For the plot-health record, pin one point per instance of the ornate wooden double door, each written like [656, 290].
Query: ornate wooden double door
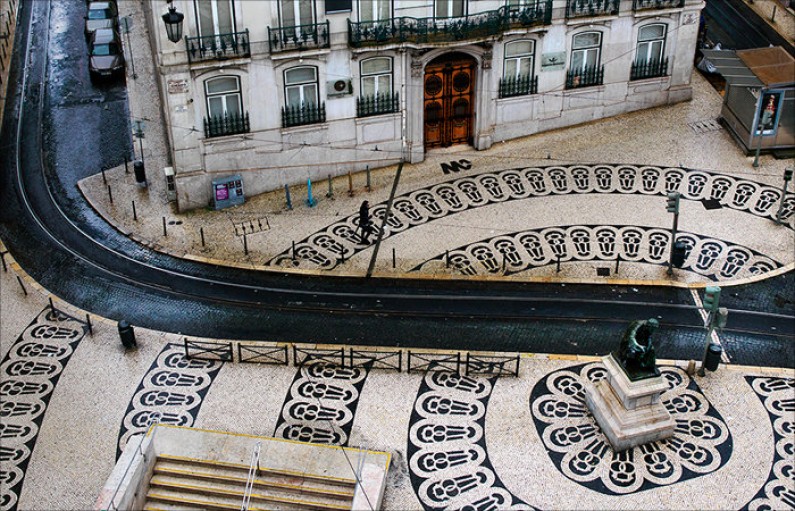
[447, 108]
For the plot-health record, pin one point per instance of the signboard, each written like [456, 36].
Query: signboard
[177, 86]
[552, 61]
[768, 112]
[228, 191]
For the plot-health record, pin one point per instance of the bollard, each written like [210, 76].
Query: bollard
[201, 232]
[558, 268]
[52, 306]
[350, 184]
[90, 326]
[330, 192]
[22, 286]
[446, 258]
[367, 169]
[293, 251]
[393, 257]
[164, 227]
[126, 334]
[618, 260]
[135, 214]
[310, 201]
[287, 194]
[773, 17]
[3, 260]
[110, 194]
[245, 244]
[126, 161]
[104, 179]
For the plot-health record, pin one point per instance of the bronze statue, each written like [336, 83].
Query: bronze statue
[635, 353]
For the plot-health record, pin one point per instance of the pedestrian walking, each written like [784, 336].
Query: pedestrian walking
[365, 223]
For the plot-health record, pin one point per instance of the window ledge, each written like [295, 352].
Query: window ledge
[590, 20]
[522, 96]
[219, 63]
[651, 13]
[305, 128]
[305, 54]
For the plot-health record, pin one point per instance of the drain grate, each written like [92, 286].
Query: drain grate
[603, 272]
[711, 204]
[705, 126]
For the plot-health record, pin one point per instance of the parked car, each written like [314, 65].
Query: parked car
[105, 52]
[100, 15]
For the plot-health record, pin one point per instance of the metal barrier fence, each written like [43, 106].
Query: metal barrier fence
[491, 365]
[466, 363]
[303, 356]
[380, 359]
[255, 353]
[202, 350]
[434, 362]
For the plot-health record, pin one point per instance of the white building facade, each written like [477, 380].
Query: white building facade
[281, 91]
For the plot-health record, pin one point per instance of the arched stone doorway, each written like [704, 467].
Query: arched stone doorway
[448, 100]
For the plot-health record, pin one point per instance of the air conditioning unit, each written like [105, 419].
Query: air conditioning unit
[342, 87]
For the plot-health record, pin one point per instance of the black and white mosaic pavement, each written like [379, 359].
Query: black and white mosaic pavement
[448, 462]
[521, 251]
[326, 248]
[29, 374]
[173, 389]
[778, 396]
[321, 404]
[702, 442]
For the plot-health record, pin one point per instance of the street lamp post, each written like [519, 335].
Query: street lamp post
[787, 179]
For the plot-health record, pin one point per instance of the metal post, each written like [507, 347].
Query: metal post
[52, 306]
[618, 260]
[104, 179]
[393, 257]
[110, 194]
[141, 145]
[787, 173]
[245, 243]
[201, 232]
[367, 169]
[446, 258]
[3, 260]
[287, 195]
[126, 161]
[135, 214]
[330, 192]
[310, 201]
[293, 250]
[22, 286]
[773, 16]
[90, 326]
[673, 241]
[707, 341]
[756, 127]
[350, 184]
[557, 269]
[164, 227]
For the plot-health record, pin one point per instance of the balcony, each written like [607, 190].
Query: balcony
[444, 30]
[640, 5]
[306, 113]
[590, 8]
[518, 86]
[299, 37]
[218, 47]
[585, 77]
[228, 124]
[649, 69]
[377, 105]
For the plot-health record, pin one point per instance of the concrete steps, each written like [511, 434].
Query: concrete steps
[190, 484]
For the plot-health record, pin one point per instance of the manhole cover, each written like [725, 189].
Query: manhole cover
[705, 126]
[603, 272]
[711, 204]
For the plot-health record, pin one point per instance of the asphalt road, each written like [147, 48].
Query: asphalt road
[66, 132]
[737, 27]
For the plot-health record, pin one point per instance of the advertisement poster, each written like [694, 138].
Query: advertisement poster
[768, 112]
[221, 192]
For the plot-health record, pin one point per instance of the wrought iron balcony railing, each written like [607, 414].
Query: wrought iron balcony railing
[299, 37]
[443, 30]
[585, 77]
[518, 86]
[377, 104]
[587, 8]
[218, 47]
[639, 5]
[306, 113]
[649, 69]
[227, 124]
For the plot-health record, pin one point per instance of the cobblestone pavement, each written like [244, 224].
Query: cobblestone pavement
[72, 396]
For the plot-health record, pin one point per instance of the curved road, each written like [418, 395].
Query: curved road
[76, 255]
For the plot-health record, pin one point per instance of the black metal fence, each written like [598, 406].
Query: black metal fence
[518, 86]
[204, 350]
[391, 360]
[433, 362]
[300, 115]
[303, 356]
[585, 77]
[299, 37]
[377, 104]
[650, 69]
[260, 354]
[657, 4]
[491, 365]
[227, 124]
[218, 46]
[587, 8]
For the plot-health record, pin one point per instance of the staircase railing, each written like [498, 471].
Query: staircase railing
[153, 422]
[252, 472]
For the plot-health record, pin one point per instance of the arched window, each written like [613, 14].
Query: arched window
[518, 70]
[586, 51]
[376, 96]
[650, 58]
[300, 86]
[223, 96]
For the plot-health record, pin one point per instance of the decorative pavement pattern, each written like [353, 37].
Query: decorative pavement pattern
[701, 444]
[778, 396]
[517, 252]
[321, 403]
[29, 373]
[172, 390]
[449, 466]
[325, 248]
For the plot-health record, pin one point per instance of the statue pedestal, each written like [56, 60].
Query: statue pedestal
[629, 412]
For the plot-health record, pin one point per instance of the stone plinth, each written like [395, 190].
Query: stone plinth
[629, 412]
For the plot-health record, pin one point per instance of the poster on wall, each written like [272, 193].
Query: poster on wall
[768, 111]
[228, 191]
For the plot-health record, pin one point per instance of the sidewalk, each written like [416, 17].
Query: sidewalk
[583, 196]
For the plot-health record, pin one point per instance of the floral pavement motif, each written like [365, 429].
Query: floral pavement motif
[701, 443]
